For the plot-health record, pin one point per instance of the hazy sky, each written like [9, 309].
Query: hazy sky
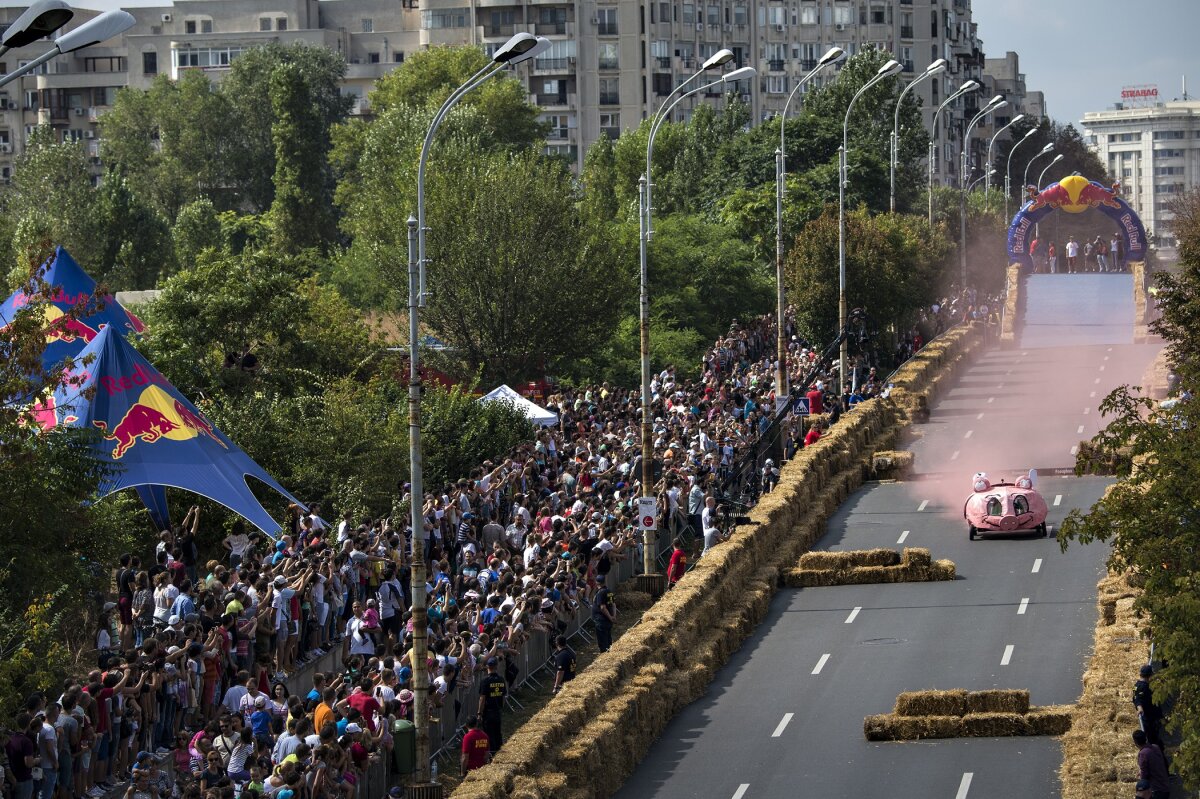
[1079, 52]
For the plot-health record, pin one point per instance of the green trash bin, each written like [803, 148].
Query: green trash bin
[404, 746]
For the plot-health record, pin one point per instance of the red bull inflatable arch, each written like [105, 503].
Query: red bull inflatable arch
[1075, 194]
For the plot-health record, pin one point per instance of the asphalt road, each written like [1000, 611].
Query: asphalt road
[784, 717]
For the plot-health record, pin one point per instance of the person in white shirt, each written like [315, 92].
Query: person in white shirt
[708, 523]
[358, 641]
[237, 543]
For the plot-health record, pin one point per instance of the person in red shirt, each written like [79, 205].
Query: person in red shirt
[678, 565]
[362, 701]
[814, 400]
[474, 747]
[814, 434]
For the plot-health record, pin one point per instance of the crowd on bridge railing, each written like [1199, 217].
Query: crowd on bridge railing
[195, 655]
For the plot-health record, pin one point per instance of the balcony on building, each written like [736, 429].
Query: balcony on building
[775, 65]
[906, 31]
[553, 100]
[559, 28]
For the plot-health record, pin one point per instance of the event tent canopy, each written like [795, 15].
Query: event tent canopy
[154, 435]
[534, 412]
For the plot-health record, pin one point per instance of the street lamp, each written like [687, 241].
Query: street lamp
[832, 56]
[646, 230]
[1057, 158]
[94, 31]
[1044, 151]
[996, 102]
[519, 48]
[933, 69]
[41, 19]
[969, 86]
[987, 184]
[886, 71]
[975, 182]
[1008, 169]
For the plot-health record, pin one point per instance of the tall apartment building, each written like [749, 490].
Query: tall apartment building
[611, 63]
[1154, 151]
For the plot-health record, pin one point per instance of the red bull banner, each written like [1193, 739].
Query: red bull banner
[153, 434]
[1075, 194]
[71, 289]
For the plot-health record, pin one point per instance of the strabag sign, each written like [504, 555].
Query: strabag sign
[1139, 95]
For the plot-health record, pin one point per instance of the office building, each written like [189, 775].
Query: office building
[1154, 151]
[610, 65]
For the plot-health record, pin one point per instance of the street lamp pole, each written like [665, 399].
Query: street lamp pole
[930, 71]
[833, 55]
[969, 86]
[886, 71]
[1025, 179]
[987, 183]
[1042, 176]
[645, 223]
[1008, 169]
[520, 47]
[42, 19]
[996, 102]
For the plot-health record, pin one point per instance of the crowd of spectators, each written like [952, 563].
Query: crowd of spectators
[194, 654]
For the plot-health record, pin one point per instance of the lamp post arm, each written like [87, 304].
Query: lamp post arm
[30, 67]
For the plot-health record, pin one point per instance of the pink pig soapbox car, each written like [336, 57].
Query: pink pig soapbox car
[1005, 507]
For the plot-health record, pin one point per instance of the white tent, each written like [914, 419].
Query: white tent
[534, 412]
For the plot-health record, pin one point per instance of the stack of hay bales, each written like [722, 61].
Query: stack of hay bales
[962, 714]
[1012, 301]
[1154, 379]
[858, 567]
[892, 465]
[1098, 758]
[590, 736]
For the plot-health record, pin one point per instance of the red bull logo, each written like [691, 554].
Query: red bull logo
[60, 327]
[1075, 194]
[21, 299]
[154, 416]
[44, 414]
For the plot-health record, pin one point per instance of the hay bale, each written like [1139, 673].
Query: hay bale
[849, 559]
[890, 727]
[1050, 719]
[932, 703]
[994, 725]
[807, 578]
[916, 556]
[998, 701]
[942, 570]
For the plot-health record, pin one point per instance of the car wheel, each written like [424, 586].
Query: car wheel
[971, 532]
[1045, 530]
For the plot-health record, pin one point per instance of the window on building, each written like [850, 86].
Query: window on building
[559, 124]
[664, 12]
[610, 124]
[689, 13]
[714, 14]
[264, 24]
[878, 15]
[906, 58]
[843, 15]
[434, 18]
[281, 23]
[776, 15]
[368, 25]
[740, 15]
[189, 26]
[777, 84]
[610, 93]
[662, 83]
[372, 58]
[606, 19]
[808, 15]
[608, 56]
[206, 26]
[1169, 134]
[906, 25]
[660, 51]
[205, 57]
[933, 23]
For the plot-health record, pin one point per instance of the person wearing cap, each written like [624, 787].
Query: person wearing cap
[604, 613]
[492, 691]
[475, 747]
[564, 663]
[1149, 712]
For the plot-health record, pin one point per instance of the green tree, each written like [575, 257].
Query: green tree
[51, 202]
[511, 261]
[299, 330]
[134, 248]
[248, 89]
[301, 214]
[428, 77]
[892, 269]
[196, 229]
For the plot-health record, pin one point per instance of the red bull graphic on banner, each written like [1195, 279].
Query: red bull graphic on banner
[1075, 194]
[151, 433]
[73, 311]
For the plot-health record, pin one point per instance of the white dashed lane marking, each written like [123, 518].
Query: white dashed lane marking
[924, 504]
[849, 620]
[787, 717]
[903, 536]
[963, 786]
[1024, 604]
[1057, 500]
[821, 663]
[1037, 566]
[954, 457]
[1007, 657]
[969, 434]
[745, 786]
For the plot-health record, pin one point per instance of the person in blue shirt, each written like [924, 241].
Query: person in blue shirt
[184, 605]
[489, 614]
[260, 721]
